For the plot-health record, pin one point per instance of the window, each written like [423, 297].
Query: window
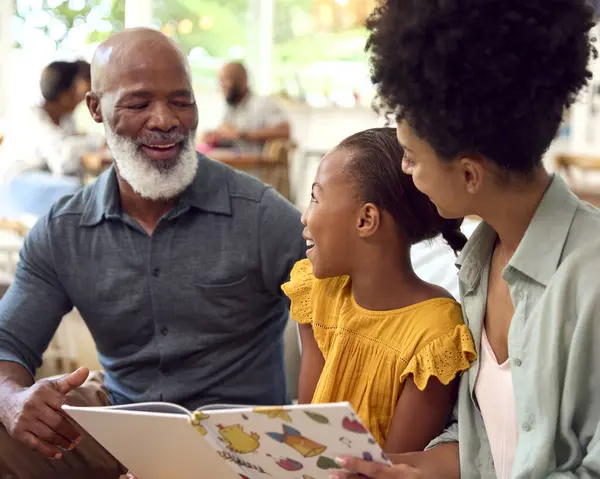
[210, 32]
[319, 51]
[46, 30]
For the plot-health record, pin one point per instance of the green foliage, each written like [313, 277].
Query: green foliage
[110, 12]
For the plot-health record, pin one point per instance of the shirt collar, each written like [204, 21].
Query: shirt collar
[539, 252]
[103, 201]
[209, 191]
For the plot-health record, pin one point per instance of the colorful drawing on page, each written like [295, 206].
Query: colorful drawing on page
[274, 413]
[384, 457]
[291, 437]
[372, 441]
[287, 463]
[346, 442]
[353, 425]
[318, 418]
[367, 457]
[327, 463]
[239, 441]
[238, 461]
[196, 422]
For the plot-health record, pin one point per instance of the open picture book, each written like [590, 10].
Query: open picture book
[162, 440]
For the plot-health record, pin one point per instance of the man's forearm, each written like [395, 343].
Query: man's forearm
[13, 377]
[441, 462]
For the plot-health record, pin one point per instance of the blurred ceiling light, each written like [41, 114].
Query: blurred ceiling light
[206, 23]
[342, 3]
[168, 29]
[185, 26]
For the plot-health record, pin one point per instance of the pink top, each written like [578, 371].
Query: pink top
[494, 391]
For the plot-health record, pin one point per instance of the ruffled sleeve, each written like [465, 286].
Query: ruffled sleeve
[300, 291]
[445, 357]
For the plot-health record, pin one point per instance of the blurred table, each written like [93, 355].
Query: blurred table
[566, 161]
[239, 159]
[93, 164]
[96, 162]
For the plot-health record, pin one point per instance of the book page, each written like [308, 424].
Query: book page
[289, 442]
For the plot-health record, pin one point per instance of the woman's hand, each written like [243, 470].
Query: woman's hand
[354, 466]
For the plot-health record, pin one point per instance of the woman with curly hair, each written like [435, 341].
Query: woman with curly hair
[478, 88]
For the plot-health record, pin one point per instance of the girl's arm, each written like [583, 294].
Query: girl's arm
[420, 416]
[311, 366]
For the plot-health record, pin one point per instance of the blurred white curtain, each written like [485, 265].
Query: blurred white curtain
[259, 55]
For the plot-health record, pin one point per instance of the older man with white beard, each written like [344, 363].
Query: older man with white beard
[174, 261]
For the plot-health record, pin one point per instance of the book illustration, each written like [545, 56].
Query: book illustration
[196, 422]
[278, 412]
[237, 440]
[291, 437]
[327, 463]
[352, 425]
[346, 442]
[372, 441]
[318, 418]
[287, 464]
[367, 456]
[227, 456]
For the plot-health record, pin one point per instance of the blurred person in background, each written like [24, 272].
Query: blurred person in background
[43, 138]
[250, 120]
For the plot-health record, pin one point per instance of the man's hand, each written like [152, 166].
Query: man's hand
[354, 467]
[34, 415]
[228, 132]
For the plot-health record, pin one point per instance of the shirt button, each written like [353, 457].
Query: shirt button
[518, 362]
[527, 427]
[156, 272]
[164, 331]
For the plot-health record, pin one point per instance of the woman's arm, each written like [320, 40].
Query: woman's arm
[311, 366]
[420, 416]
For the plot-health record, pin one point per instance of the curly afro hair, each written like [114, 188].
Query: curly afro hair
[485, 77]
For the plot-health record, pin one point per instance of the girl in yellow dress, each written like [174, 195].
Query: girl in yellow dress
[373, 333]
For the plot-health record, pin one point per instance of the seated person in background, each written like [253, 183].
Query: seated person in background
[44, 137]
[250, 120]
[174, 261]
[373, 333]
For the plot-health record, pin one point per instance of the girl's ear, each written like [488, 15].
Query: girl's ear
[368, 220]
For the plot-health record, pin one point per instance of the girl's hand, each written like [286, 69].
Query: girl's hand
[354, 466]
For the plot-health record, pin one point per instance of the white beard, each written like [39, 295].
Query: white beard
[151, 179]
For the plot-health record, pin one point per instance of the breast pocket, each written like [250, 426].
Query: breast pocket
[227, 305]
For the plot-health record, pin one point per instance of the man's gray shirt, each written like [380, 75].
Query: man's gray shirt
[192, 314]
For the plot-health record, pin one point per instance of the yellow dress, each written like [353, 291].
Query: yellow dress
[369, 354]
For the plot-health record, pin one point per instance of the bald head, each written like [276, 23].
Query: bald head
[234, 82]
[132, 48]
[235, 70]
